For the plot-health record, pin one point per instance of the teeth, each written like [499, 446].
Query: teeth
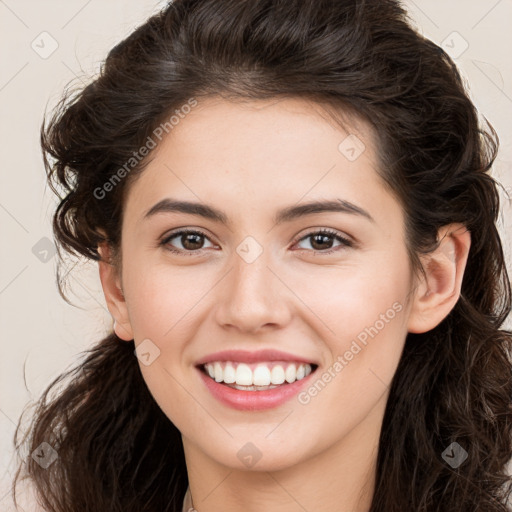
[290, 373]
[229, 375]
[262, 374]
[277, 375]
[217, 370]
[243, 375]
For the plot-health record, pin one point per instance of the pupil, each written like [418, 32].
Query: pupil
[321, 239]
[189, 238]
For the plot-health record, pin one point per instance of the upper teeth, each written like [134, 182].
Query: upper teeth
[262, 374]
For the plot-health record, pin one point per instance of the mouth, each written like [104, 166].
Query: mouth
[255, 386]
[260, 376]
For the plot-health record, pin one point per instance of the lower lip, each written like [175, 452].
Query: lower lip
[253, 400]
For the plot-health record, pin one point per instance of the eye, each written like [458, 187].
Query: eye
[322, 240]
[190, 240]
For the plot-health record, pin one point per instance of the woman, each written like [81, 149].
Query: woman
[295, 226]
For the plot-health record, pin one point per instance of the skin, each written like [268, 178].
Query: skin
[250, 160]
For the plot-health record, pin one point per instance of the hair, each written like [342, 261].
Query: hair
[117, 451]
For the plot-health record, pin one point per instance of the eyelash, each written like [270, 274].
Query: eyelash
[328, 232]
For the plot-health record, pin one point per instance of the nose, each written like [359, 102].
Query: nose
[253, 297]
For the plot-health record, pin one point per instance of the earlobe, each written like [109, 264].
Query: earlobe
[438, 290]
[112, 290]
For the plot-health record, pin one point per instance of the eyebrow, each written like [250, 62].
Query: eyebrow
[287, 214]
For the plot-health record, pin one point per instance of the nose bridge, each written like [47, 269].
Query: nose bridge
[254, 296]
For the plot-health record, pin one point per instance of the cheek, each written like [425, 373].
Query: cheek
[345, 302]
[162, 298]
[365, 339]
[369, 331]
[360, 316]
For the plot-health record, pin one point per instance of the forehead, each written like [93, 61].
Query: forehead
[253, 154]
[270, 122]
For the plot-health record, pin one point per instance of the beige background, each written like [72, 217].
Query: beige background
[41, 334]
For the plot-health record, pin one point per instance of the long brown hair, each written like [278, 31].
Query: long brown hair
[116, 449]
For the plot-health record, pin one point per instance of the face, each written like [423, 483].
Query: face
[266, 283]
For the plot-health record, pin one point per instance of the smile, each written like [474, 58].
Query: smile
[254, 381]
[256, 377]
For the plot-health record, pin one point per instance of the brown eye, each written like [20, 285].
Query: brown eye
[191, 241]
[322, 241]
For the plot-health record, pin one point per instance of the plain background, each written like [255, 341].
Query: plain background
[44, 45]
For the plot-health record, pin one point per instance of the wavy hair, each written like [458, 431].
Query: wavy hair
[117, 451]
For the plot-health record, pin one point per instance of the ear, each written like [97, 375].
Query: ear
[437, 293]
[111, 284]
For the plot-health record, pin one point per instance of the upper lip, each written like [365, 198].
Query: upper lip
[245, 356]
